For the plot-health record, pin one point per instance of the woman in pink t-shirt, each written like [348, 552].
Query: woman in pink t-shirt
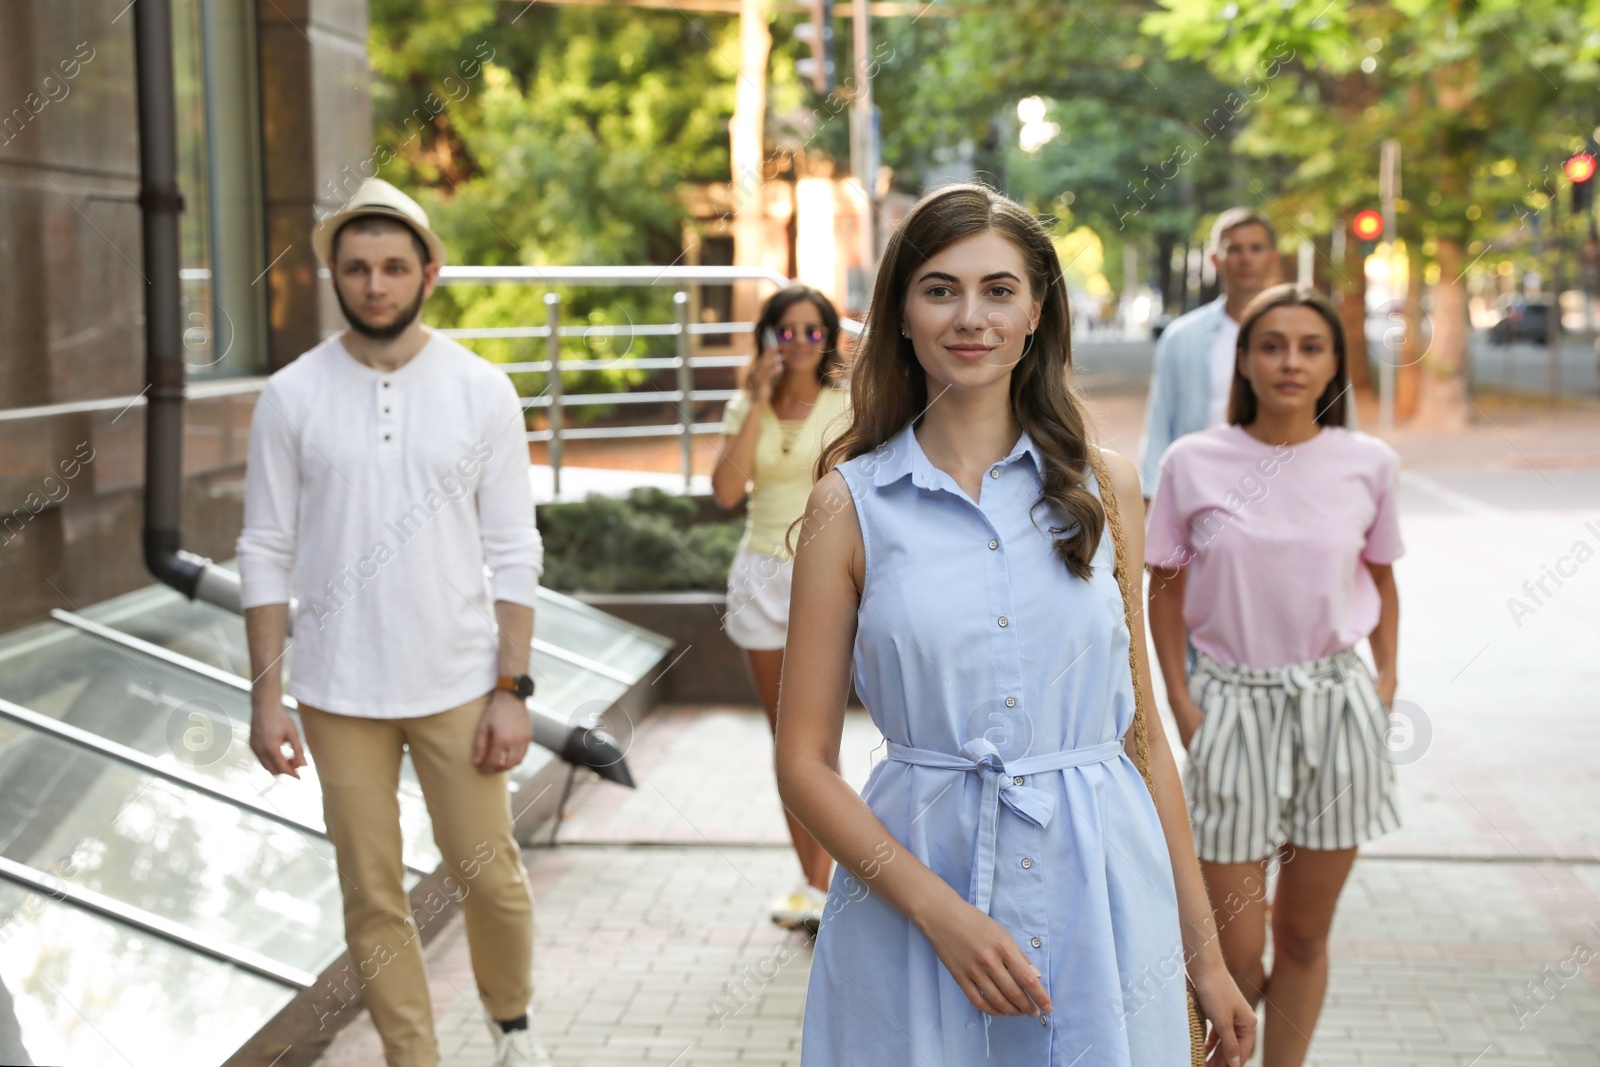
[1270, 543]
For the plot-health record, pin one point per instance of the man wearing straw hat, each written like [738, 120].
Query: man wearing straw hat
[388, 471]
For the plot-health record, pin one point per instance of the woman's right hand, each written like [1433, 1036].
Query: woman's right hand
[986, 963]
[765, 370]
[1232, 1036]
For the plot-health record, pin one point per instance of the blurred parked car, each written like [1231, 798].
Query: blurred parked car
[1521, 320]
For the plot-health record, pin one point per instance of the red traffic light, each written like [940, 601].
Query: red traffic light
[1367, 225]
[1580, 168]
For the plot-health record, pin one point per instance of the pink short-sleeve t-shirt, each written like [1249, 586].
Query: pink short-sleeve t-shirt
[1274, 539]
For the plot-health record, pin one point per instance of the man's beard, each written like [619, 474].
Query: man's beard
[394, 329]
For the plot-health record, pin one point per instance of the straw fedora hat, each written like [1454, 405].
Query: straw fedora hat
[377, 197]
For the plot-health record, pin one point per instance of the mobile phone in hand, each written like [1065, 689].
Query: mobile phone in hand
[769, 339]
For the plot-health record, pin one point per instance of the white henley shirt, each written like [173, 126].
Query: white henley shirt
[385, 501]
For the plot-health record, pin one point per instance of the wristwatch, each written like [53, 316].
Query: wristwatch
[520, 685]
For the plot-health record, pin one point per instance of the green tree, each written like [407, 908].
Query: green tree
[552, 135]
[1143, 152]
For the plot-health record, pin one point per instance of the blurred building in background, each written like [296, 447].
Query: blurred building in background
[275, 122]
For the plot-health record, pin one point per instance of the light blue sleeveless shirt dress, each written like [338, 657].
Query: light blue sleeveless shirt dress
[1001, 683]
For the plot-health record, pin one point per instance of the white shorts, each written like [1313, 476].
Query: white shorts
[757, 616]
[1297, 755]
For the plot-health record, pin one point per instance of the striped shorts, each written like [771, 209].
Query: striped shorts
[1297, 755]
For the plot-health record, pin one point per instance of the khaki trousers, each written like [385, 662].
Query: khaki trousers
[358, 764]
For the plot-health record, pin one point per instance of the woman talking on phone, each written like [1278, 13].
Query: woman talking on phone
[773, 432]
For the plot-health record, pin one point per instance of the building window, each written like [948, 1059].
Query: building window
[219, 171]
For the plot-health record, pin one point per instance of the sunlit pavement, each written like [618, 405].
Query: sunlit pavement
[1470, 937]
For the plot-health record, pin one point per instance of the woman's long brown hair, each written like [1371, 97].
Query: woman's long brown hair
[888, 387]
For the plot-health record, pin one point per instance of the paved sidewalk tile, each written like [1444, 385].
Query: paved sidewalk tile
[663, 953]
[705, 775]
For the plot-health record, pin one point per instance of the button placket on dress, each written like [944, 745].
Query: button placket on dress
[1026, 911]
[1031, 927]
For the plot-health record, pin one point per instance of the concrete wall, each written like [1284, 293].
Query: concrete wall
[69, 224]
[706, 667]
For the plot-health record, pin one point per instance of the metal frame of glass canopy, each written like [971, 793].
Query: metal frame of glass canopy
[162, 898]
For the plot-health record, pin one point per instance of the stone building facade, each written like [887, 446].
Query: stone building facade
[273, 106]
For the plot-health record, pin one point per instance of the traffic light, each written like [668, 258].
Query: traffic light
[1367, 227]
[818, 33]
[1580, 171]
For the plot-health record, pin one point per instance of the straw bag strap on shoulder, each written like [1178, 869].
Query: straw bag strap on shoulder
[1131, 581]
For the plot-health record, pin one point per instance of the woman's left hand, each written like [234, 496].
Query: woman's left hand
[1233, 1025]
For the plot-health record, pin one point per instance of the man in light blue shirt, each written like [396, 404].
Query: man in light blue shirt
[1194, 361]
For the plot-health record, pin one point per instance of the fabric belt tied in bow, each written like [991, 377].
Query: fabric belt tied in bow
[979, 756]
[1300, 682]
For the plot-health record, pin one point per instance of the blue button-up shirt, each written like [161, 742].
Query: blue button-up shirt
[1180, 387]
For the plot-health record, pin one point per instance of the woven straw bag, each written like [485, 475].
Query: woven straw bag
[1126, 579]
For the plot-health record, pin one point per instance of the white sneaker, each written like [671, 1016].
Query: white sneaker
[519, 1048]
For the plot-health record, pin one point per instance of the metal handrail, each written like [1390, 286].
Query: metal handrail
[668, 329]
[540, 366]
[554, 401]
[605, 276]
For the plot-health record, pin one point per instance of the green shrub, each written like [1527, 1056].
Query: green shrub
[647, 542]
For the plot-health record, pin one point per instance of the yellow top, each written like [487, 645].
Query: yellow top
[786, 454]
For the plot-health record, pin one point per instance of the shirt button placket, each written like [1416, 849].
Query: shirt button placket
[388, 412]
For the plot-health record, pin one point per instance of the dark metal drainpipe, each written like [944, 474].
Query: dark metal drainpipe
[160, 204]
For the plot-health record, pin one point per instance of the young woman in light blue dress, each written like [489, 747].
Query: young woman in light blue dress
[1007, 890]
